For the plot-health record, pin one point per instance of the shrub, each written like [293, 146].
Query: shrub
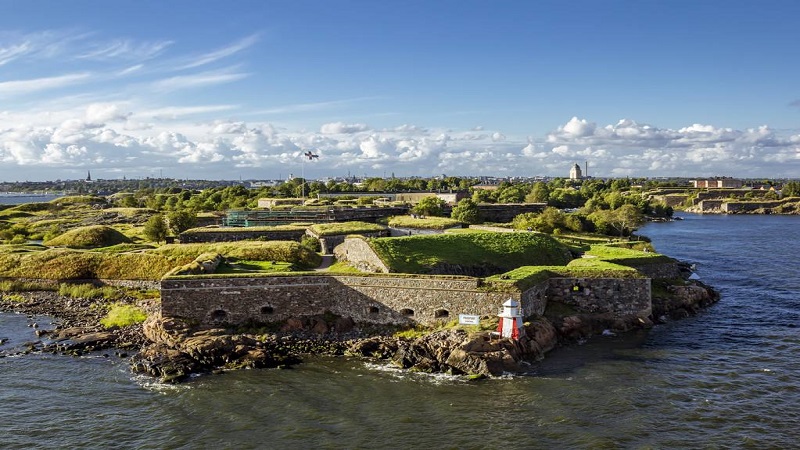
[120, 315]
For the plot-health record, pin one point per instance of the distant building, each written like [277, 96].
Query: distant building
[575, 172]
[718, 182]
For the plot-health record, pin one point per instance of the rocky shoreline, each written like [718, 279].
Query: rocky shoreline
[172, 350]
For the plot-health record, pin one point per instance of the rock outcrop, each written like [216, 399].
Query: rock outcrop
[458, 352]
[680, 301]
[178, 350]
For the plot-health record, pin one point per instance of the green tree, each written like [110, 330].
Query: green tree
[180, 221]
[155, 229]
[466, 211]
[626, 218]
[539, 194]
[514, 193]
[429, 206]
[791, 189]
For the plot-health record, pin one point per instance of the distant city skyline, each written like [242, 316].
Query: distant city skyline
[227, 90]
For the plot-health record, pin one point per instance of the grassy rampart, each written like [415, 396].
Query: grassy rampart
[339, 228]
[418, 254]
[428, 223]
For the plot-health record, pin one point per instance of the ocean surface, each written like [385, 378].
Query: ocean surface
[13, 198]
[726, 378]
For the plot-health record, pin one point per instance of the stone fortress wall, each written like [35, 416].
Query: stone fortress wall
[387, 299]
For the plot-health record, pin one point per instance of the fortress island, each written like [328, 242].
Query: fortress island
[475, 294]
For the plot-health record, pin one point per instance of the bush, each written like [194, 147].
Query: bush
[311, 243]
[120, 315]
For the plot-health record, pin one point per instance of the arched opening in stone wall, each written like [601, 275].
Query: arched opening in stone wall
[441, 314]
[407, 312]
[374, 310]
[267, 310]
[218, 315]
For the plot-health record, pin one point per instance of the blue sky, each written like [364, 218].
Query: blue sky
[240, 89]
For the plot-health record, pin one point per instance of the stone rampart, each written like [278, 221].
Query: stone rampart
[616, 297]
[668, 270]
[328, 243]
[734, 207]
[357, 252]
[232, 234]
[388, 299]
[366, 299]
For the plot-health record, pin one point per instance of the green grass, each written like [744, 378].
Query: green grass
[77, 199]
[65, 264]
[343, 268]
[418, 254]
[16, 298]
[291, 252]
[428, 223]
[89, 291]
[92, 236]
[120, 315]
[627, 257]
[241, 266]
[23, 286]
[333, 229]
[122, 248]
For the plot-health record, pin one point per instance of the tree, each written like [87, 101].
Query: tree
[539, 194]
[429, 206]
[511, 194]
[155, 229]
[626, 217]
[180, 221]
[466, 211]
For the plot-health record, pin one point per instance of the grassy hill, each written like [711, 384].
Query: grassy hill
[485, 252]
[93, 236]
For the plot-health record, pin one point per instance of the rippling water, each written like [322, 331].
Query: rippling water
[726, 378]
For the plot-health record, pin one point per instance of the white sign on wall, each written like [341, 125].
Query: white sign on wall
[468, 319]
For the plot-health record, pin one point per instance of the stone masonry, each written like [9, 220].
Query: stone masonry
[387, 299]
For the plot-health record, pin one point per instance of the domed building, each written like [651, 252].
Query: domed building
[575, 172]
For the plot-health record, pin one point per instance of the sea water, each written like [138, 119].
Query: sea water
[726, 378]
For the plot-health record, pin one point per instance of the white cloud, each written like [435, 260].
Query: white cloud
[124, 137]
[19, 87]
[105, 112]
[125, 49]
[221, 53]
[343, 128]
[203, 79]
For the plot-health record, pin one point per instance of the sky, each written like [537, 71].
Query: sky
[241, 89]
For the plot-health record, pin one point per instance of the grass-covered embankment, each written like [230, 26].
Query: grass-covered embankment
[427, 223]
[601, 261]
[418, 254]
[69, 264]
[94, 236]
[339, 228]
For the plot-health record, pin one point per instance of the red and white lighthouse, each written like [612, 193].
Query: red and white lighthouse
[510, 325]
